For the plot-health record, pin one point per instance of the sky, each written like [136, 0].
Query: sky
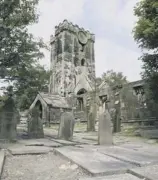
[111, 21]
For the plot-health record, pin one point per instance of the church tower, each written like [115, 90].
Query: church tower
[72, 60]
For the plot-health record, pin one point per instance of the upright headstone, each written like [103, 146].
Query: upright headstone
[105, 128]
[92, 118]
[9, 118]
[66, 126]
[35, 125]
[117, 125]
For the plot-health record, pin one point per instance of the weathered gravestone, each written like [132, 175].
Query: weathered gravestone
[9, 117]
[91, 118]
[66, 126]
[35, 125]
[105, 129]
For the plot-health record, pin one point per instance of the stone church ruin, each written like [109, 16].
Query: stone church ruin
[73, 86]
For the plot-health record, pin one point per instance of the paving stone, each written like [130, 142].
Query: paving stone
[23, 150]
[114, 177]
[94, 162]
[2, 159]
[148, 172]
[132, 156]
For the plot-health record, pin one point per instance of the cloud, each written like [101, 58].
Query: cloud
[120, 59]
[111, 21]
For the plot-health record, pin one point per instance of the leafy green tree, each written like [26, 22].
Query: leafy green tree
[34, 81]
[20, 51]
[114, 78]
[18, 48]
[146, 35]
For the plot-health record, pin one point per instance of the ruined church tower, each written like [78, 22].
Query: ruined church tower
[72, 60]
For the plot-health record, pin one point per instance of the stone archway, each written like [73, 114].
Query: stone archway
[80, 99]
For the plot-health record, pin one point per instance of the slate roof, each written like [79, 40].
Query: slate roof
[55, 100]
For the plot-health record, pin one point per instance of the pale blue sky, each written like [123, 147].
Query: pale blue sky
[111, 21]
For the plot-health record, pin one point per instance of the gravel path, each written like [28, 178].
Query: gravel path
[40, 167]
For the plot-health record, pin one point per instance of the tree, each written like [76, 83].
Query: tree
[114, 78]
[20, 51]
[18, 48]
[146, 35]
[34, 81]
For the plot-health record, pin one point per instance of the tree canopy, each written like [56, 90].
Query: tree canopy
[146, 35]
[114, 78]
[35, 81]
[18, 48]
[20, 51]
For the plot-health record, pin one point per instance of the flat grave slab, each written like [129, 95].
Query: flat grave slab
[114, 177]
[40, 142]
[94, 162]
[148, 172]
[25, 150]
[84, 141]
[131, 156]
[142, 147]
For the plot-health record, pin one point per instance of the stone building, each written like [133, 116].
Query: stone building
[73, 70]
[73, 82]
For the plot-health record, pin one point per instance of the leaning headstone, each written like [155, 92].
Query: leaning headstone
[105, 130]
[66, 126]
[8, 120]
[35, 125]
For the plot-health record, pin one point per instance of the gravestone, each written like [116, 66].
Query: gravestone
[105, 129]
[9, 117]
[35, 125]
[91, 118]
[117, 122]
[66, 126]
